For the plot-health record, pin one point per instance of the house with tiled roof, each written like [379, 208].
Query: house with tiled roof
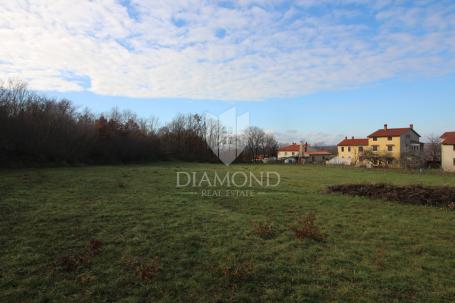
[289, 151]
[303, 153]
[448, 151]
[393, 147]
[399, 147]
[351, 150]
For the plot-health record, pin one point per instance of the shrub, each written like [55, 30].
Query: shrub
[238, 271]
[121, 184]
[145, 270]
[264, 230]
[148, 270]
[307, 228]
[72, 262]
[94, 247]
[86, 278]
[378, 258]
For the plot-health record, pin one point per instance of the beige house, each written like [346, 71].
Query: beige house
[401, 145]
[352, 150]
[448, 151]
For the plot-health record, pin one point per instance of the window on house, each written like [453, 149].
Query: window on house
[390, 148]
[375, 148]
[375, 138]
[360, 148]
[285, 153]
[453, 147]
[453, 161]
[293, 153]
[389, 138]
[342, 149]
[349, 149]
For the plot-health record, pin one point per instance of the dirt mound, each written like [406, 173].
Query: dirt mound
[411, 194]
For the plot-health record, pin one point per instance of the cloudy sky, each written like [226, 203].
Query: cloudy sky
[318, 69]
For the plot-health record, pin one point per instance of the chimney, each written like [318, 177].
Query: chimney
[385, 126]
[306, 146]
[411, 126]
[352, 137]
[345, 138]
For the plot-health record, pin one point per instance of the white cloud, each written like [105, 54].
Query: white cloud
[170, 48]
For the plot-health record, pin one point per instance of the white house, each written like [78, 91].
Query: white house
[303, 153]
[290, 151]
[448, 151]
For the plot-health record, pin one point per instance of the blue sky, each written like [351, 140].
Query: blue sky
[304, 69]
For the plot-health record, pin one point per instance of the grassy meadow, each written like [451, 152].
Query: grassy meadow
[127, 234]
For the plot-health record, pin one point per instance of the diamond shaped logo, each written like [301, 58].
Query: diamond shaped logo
[225, 136]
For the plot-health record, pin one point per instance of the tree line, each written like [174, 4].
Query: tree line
[36, 129]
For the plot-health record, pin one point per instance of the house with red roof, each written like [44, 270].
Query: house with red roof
[397, 147]
[448, 151]
[351, 151]
[303, 153]
[391, 147]
[289, 151]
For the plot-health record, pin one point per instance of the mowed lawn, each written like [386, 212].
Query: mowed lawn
[155, 242]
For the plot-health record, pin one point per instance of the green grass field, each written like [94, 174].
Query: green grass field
[159, 243]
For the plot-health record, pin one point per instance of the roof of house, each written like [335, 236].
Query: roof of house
[353, 142]
[290, 148]
[448, 138]
[444, 135]
[392, 132]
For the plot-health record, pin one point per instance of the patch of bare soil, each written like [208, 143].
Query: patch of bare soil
[411, 194]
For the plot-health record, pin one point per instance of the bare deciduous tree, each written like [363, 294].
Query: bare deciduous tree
[433, 148]
[34, 128]
[259, 144]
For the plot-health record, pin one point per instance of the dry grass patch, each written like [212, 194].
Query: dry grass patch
[306, 228]
[264, 230]
[74, 261]
[238, 271]
[145, 269]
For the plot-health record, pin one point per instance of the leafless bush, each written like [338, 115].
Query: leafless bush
[74, 261]
[264, 230]
[306, 228]
[238, 271]
[147, 269]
